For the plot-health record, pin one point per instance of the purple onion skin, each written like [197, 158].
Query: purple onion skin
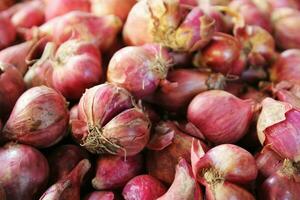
[24, 171]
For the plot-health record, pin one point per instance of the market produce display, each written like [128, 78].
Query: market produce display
[149, 100]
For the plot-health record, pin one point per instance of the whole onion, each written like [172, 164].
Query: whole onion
[167, 145]
[56, 8]
[109, 122]
[184, 185]
[143, 187]
[119, 8]
[286, 67]
[68, 187]
[7, 34]
[39, 118]
[139, 69]
[162, 21]
[72, 68]
[223, 167]
[220, 116]
[11, 87]
[114, 171]
[182, 85]
[222, 54]
[286, 27]
[63, 159]
[100, 195]
[24, 171]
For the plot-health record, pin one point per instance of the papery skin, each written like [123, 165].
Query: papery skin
[39, 118]
[139, 69]
[220, 116]
[25, 171]
[7, 34]
[74, 113]
[286, 27]
[56, 8]
[11, 88]
[63, 159]
[114, 172]
[100, 195]
[222, 54]
[167, 145]
[182, 85]
[287, 67]
[119, 8]
[143, 187]
[108, 112]
[68, 187]
[162, 21]
[184, 185]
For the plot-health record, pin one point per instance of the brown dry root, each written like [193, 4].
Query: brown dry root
[290, 168]
[213, 177]
[161, 66]
[97, 143]
[216, 81]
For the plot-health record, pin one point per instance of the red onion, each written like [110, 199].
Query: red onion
[4, 4]
[68, 187]
[222, 54]
[114, 171]
[24, 171]
[74, 113]
[56, 8]
[286, 27]
[221, 168]
[251, 13]
[162, 21]
[167, 145]
[16, 55]
[80, 25]
[75, 67]
[251, 93]
[63, 159]
[11, 87]
[287, 94]
[286, 67]
[279, 128]
[39, 118]
[119, 8]
[29, 15]
[7, 34]
[100, 195]
[143, 187]
[108, 122]
[220, 116]
[184, 185]
[284, 3]
[182, 85]
[236, 88]
[139, 69]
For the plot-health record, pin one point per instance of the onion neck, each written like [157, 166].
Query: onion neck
[212, 176]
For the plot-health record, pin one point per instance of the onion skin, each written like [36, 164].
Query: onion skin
[287, 92]
[100, 195]
[74, 113]
[286, 67]
[25, 171]
[11, 88]
[284, 3]
[39, 118]
[114, 172]
[63, 159]
[182, 85]
[143, 187]
[16, 55]
[212, 113]
[286, 26]
[68, 187]
[119, 8]
[222, 54]
[7, 34]
[56, 8]
[167, 145]
[251, 13]
[107, 112]
[184, 185]
[139, 69]
[161, 21]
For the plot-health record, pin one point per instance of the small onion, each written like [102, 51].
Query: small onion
[39, 118]
[220, 116]
[108, 122]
